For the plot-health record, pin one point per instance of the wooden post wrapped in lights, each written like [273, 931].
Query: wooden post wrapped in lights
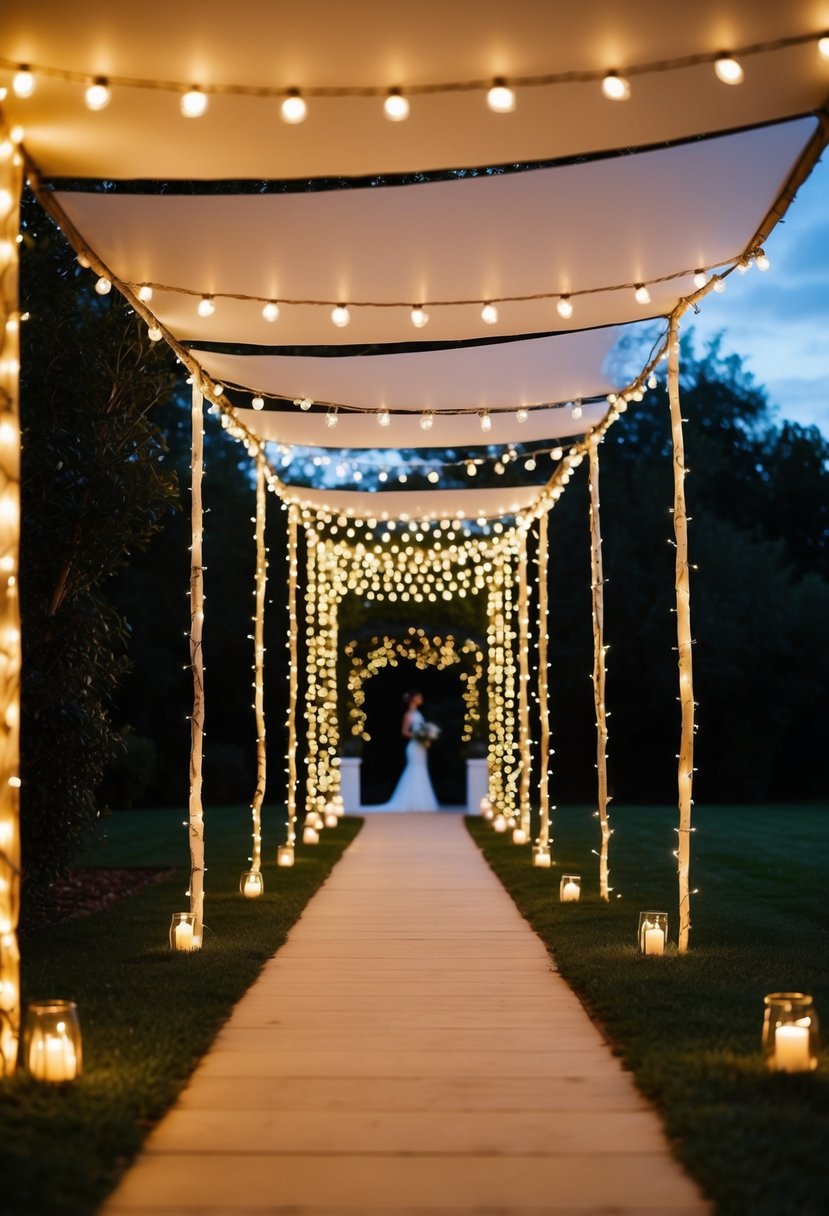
[521, 834]
[541, 853]
[250, 887]
[599, 671]
[11, 171]
[293, 673]
[196, 816]
[684, 640]
[312, 648]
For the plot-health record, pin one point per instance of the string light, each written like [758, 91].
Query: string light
[823, 47]
[103, 286]
[500, 98]
[206, 307]
[728, 70]
[576, 411]
[564, 307]
[331, 418]
[489, 314]
[294, 108]
[433, 476]
[396, 106]
[98, 94]
[521, 415]
[193, 103]
[641, 294]
[154, 333]
[486, 421]
[420, 317]
[761, 260]
[616, 87]
[270, 311]
[258, 403]
[145, 293]
[340, 315]
[427, 420]
[383, 417]
[700, 278]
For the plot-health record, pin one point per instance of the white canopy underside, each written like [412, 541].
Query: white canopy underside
[486, 503]
[679, 177]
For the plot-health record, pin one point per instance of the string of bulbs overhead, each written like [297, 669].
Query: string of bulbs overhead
[500, 92]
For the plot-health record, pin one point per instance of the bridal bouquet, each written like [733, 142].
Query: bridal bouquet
[427, 733]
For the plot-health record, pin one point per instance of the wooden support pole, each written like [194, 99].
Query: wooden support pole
[196, 810]
[11, 177]
[260, 587]
[293, 671]
[312, 654]
[684, 642]
[524, 753]
[543, 681]
[599, 671]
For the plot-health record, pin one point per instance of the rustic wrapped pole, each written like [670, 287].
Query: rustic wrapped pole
[293, 672]
[196, 810]
[11, 173]
[599, 672]
[260, 588]
[684, 641]
[543, 682]
[525, 759]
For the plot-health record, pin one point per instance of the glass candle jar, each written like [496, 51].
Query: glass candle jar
[542, 856]
[252, 884]
[790, 1032]
[183, 931]
[285, 855]
[519, 836]
[331, 818]
[499, 823]
[310, 835]
[653, 932]
[52, 1041]
[569, 891]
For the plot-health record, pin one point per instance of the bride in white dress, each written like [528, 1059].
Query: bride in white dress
[413, 791]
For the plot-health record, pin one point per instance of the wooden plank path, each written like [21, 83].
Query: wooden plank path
[409, 1052]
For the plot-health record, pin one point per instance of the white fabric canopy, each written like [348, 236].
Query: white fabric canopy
[317, 43]
[453, 430]
[502, 375]
[489, 503]
[564, 229]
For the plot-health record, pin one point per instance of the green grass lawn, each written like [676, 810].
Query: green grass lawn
[689, 1027]
[147, 1014]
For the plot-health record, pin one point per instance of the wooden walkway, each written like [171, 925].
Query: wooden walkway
[409, 1052]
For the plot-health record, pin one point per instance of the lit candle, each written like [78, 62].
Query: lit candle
[310, 836]
[569, 892]
[285, 855]
[331, 818]
[654, 940]
[791, 1049]
[519, 836]
[184, 936]
[52, 1057]
[253, 886]
[499, 823]
[542, 858]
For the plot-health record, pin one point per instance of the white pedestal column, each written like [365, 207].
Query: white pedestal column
[477, 784]
[350, 783]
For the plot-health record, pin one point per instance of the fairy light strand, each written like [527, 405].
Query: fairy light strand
[543, 682]
[599, 669]
[196, 809]
[260, 588]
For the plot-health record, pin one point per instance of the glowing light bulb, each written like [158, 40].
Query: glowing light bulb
[761, 260]
[420, 316]
[719, 286]
[471, 469]
[433, 476]
[823, 47]
[154, 333]
[340, 315]
[218, 389]
[270, 311]
[98, 94]
[564, 307]
[529, 465]
[521, 415]
[384, 418]
[103, 286]
[206, 307]
[294, 108]
[305, 403]
[23, 84]
[700, 278]
[577, 411]
[331, 419]
[486, 421]
[652, 381]
[193, 103]
[641, 294]
[489, 314]
[258, 402]
[616, 87]
[396, 106]
[145, 293]
[500, 98]
[556, 454]
[728, 70]
[427, 421]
